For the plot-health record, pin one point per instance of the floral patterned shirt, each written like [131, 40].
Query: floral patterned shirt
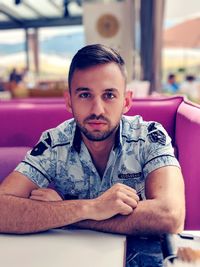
[61, 158]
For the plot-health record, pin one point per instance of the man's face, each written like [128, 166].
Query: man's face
[97, 100]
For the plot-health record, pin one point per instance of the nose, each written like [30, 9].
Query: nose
[97, 106]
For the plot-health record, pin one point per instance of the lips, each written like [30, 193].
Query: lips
[97, 124]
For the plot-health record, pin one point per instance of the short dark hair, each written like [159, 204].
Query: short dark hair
[171, 76]
[190, 78]
[92, 55]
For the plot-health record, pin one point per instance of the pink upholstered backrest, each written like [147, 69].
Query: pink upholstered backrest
[23, 123]
[32, 100]
[162, 110]
[9, 158]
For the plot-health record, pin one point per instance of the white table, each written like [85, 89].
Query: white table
[63, 248]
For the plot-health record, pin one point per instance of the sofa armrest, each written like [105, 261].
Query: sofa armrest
[188, 143]
[9, 158]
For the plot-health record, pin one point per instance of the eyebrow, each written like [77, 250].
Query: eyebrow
[111, 90]
[80, 89]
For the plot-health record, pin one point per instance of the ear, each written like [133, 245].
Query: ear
[128, 101]
[67, 97]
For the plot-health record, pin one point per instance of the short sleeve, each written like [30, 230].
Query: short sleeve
[157, 150]
[39, 164]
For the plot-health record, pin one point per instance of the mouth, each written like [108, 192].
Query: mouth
[97, 124]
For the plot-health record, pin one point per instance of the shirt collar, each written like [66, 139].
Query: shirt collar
[77, 140]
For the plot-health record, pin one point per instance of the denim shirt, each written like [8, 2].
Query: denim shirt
[61, 158]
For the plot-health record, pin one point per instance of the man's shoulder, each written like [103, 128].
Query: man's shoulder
[135, 128]
[63, 134]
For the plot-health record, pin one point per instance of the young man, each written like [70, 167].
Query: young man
[111, 172]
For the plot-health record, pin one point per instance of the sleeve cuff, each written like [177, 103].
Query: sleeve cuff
[158, 162]
[34, 174]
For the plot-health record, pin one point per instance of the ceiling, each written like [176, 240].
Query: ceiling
[16, 14]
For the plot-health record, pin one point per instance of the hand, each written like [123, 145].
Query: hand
[45, 194]
[119, 199]
[188, 254]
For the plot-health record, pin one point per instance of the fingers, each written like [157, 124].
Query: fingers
[125, 209]
[126, 203]
[188, 254]
[41, 191]
[37, 192]
[39, 198]
[128, 188]
[45, 194]
[128, 192]
[129, 200]
[132, 195]
[126, 197]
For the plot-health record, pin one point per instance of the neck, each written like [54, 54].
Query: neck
[100, 152]
[100, 147]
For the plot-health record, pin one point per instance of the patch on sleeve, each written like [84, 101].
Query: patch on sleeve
[39, 149]
[155, 135]
[48, 139]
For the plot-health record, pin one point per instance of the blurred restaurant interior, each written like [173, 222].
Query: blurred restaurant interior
[160, 43]
[38, 41]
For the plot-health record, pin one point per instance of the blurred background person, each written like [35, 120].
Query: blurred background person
[171, 86]
[191, 88]
[15, 76]
[16, 85]
[1, 85]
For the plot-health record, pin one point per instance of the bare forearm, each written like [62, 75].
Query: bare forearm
[21, 215]
[162, 212]
[148, 217]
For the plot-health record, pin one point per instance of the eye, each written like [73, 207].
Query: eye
[84, 95]
[109, 95]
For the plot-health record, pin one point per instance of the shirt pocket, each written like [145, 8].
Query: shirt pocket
[133, 180]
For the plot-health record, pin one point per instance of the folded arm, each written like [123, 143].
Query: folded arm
[20, 214]
[162, 212]
[25, 208]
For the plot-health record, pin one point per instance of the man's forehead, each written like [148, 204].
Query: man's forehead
[112, 65]
[106, 77]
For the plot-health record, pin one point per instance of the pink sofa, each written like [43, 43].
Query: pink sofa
[34, 100]
[23, 122]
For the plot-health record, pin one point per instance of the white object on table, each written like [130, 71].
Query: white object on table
[192, 243]
[63, 248]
